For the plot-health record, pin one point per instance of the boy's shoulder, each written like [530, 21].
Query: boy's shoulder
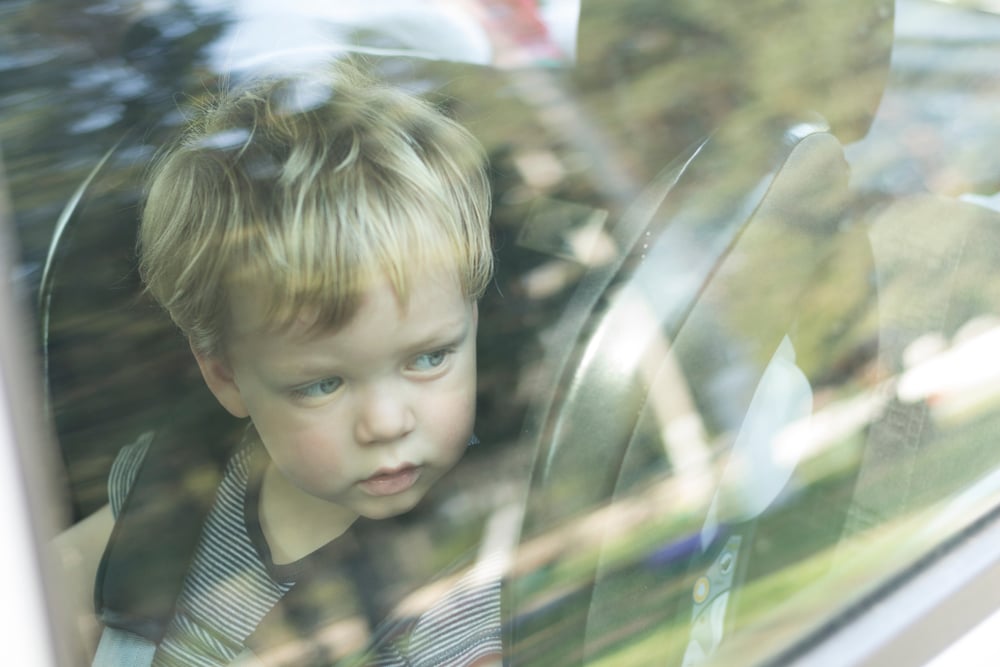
[165, 484]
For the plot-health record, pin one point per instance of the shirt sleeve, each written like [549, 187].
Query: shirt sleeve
[464, 627]
[124, 469]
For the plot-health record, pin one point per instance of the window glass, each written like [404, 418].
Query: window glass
[738, 368]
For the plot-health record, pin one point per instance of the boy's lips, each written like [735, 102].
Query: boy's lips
[390, 481]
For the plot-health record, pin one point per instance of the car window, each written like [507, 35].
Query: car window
[738, 365]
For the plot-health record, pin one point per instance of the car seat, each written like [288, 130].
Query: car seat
[622, 443]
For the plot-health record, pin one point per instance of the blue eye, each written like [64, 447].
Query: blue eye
[429, 361]
[324, 387]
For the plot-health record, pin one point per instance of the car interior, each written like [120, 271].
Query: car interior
[711, 423]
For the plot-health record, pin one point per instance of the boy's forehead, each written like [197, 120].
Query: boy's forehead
[255, 310]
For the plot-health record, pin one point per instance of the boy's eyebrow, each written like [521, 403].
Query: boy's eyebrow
[448, 334]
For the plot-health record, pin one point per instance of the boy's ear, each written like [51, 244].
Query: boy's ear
[219, 378]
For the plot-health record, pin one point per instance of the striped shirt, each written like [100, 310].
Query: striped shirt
[233, 584]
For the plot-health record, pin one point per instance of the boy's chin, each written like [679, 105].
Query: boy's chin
[390, 508]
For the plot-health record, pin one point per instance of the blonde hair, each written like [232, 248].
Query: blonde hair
[307, 191]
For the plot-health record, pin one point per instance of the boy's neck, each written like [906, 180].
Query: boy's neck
[294, 523]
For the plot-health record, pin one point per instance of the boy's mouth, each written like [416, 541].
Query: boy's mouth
[388, 482]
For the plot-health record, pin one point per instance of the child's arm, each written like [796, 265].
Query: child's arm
[77, 553]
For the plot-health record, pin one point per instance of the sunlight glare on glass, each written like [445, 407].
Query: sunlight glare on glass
[299, 34]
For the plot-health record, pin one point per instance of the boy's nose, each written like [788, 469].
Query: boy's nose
[384, 416]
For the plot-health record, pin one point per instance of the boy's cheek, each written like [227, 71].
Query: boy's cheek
[311, 453]
[454, 422]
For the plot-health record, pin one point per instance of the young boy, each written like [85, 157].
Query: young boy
[322, 245]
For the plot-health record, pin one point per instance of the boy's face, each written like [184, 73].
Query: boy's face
[367, 416]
